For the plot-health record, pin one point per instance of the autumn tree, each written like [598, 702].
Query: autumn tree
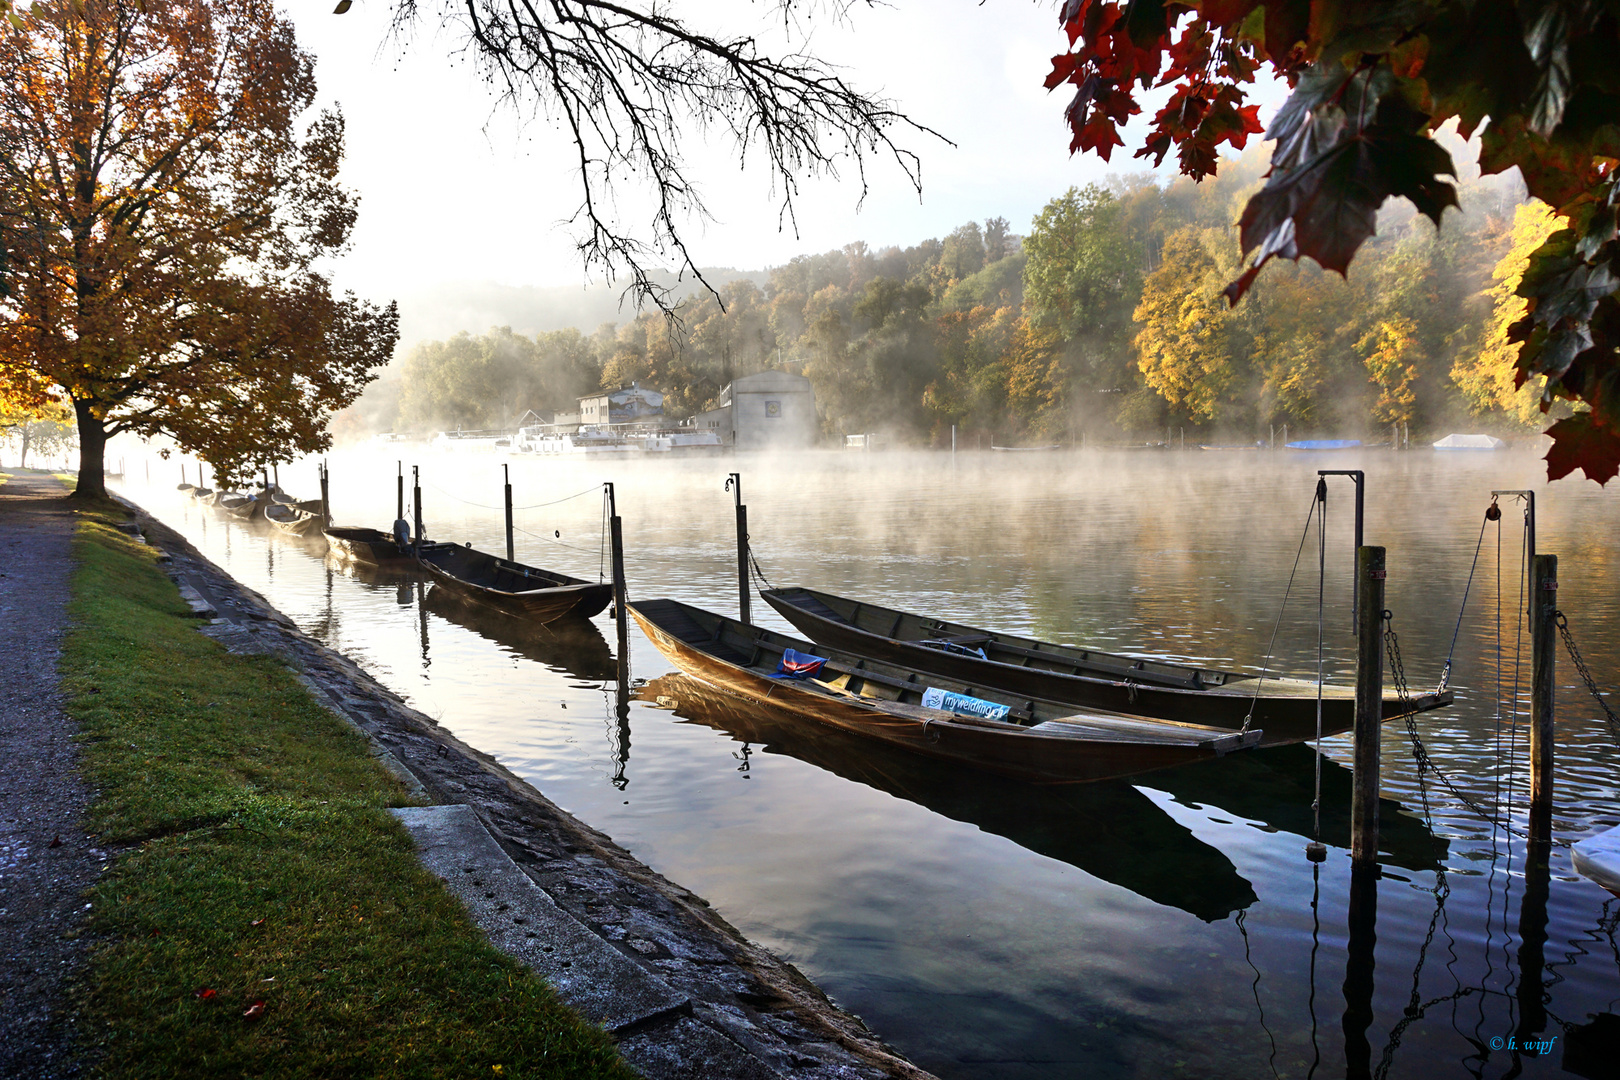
[1372, 84]
[164, 202]
[1488, 378]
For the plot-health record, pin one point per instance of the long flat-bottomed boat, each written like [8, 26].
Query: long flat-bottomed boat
[295, 518]
[372, 547]
[971, 725]
[1284, 708]
[537, 594]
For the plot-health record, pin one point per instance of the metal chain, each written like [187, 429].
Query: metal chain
[1586, 674]
[1420, 753]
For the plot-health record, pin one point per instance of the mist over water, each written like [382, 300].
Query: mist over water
[1165, 926]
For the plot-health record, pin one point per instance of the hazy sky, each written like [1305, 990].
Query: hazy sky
[453, 187]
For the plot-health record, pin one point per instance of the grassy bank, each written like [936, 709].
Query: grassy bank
[266, 917]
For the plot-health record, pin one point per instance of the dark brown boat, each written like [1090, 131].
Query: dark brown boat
[1285, 708]
[537, 594]
[372, 547]
[1042, 741]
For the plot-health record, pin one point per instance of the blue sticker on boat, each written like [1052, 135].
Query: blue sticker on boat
[934, 698]
[797, 665]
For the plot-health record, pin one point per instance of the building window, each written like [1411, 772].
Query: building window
[773, 408]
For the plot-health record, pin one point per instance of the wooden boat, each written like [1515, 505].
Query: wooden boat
[295, 518]
[1598, 858]
[1026, 449]
[1043, 741]
[237, 505]
[371, 547]
[1285, 708]
[202, 494]
[539, 595]
[184, 487]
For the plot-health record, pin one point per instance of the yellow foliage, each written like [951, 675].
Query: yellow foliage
[1183, 348]
[1389, 348]
[1489, 380]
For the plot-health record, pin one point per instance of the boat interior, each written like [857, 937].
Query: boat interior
[899, 690]
[494, 573]
[1002, 648]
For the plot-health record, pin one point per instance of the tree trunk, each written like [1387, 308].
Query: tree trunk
[92, 452]
[22, 462]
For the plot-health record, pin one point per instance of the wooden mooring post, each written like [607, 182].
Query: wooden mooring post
[326, 496]
[506, 471]
[416, 503]
[734, 485]
[399, 513]
[1369, 714]
[1543, 646]
[616, 541]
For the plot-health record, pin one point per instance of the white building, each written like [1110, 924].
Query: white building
[629, 405]
[770, 410]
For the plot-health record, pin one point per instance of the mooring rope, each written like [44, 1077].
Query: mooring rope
[1492, 513]
[1266, 664]
[526, 506]
[1321, 600]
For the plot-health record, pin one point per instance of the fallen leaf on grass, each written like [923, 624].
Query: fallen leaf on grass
[55, 843]
[256, 922]
[205, 993]
[253, 1011]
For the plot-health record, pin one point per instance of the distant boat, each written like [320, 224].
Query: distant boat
[1470, 442]
[1025, 449]
[1256, 445]
[1324, 444]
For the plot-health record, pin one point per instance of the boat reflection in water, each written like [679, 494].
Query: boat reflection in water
[573, 646]
[1274, 787]
[1107, 829]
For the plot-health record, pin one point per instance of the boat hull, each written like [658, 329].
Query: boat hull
[1002, 748]
[1287, 717]
[370, 546]
[485, 579]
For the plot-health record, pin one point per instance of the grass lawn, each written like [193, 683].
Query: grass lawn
[266, 917]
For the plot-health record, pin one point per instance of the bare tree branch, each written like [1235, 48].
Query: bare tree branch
[629, 80]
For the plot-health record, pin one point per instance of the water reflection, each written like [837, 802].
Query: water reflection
[1274, 788]
[1108, 829]
[572, 646]
[1167, 928]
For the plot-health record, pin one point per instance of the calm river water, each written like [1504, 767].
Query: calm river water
[1166, 926]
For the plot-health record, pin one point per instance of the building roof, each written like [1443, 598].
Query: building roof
[767, 381]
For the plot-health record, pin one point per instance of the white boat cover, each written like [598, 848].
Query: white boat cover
[1470, 442]
[1598, 857]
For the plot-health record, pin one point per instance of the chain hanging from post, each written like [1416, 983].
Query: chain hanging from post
[1586, 674]
[1420, 752]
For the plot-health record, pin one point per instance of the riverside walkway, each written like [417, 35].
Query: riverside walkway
[46, 860]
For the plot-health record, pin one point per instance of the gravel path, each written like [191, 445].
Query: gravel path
[46, 860]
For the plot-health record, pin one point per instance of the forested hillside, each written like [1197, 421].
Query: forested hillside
[1104, 319]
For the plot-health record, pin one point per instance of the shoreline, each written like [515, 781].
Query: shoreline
[738, 1001]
